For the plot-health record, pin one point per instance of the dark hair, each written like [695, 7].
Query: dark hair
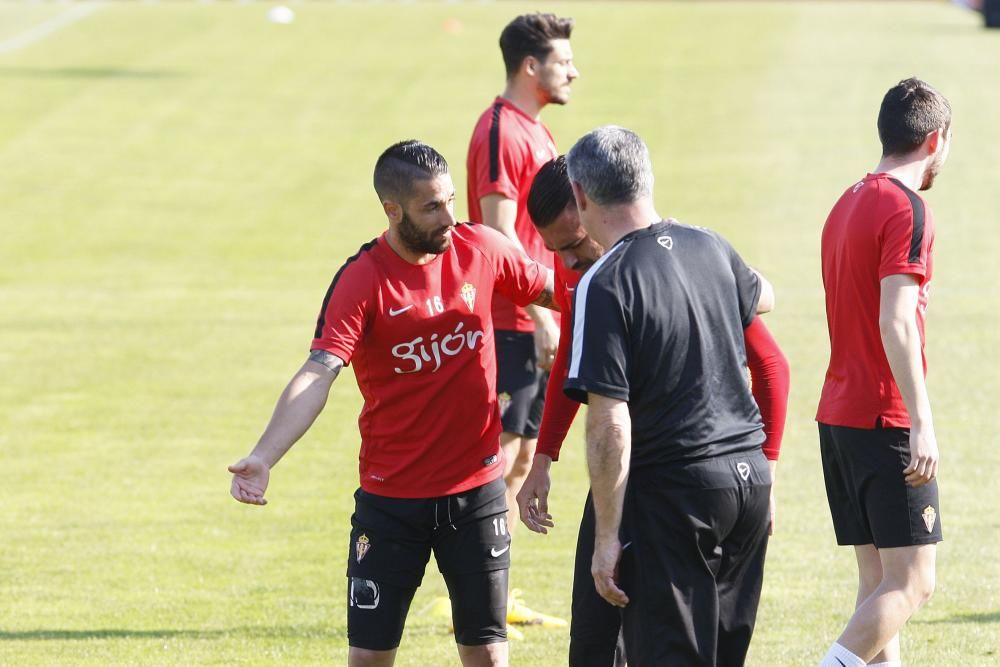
[910, 110]
[403, 163]
[531, 35]
[550, 192]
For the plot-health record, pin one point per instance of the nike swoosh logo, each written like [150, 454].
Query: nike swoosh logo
[839, 660]
[399, 311]
[495, 553]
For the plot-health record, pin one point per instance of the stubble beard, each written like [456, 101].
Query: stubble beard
[929, 176]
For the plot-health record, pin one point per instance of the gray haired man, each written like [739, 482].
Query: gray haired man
[658, 355]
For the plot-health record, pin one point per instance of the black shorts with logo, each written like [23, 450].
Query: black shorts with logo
[869, 499]
[520, 383]
[391, 542]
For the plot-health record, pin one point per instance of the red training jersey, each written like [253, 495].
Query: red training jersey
[878, 228]
[560, 409]
[768, 368]
[420, 337]
[507, 149]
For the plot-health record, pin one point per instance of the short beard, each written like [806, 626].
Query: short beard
[422, 242]
[929, 176]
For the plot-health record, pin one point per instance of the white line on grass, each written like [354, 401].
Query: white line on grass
[46, 28]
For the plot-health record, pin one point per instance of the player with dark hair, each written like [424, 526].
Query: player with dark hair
[595, 624]
[508, 145]
[880, 454]
[412, 311]
[658, 355]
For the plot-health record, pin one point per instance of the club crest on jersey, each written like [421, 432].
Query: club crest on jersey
[503, 399]
[930, 516]
[362, 546]
[469, 296]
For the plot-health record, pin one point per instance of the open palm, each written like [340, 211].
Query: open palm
[250, 477]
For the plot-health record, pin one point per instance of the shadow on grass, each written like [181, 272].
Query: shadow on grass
[976, 617]
[256, 631]
[86, 73]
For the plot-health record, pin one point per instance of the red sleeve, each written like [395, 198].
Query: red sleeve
[497, 163]
[343, 317]
[560, 410]
[770, 376]
[518, 277]
[904, 243]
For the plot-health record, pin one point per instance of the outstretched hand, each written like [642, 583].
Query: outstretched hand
[250, 477]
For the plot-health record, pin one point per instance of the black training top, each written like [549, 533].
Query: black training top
[659, 323]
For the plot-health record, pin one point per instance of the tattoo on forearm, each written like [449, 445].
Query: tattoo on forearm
[546, 300]
[331, 361]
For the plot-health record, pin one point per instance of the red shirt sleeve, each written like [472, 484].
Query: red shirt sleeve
[518, 277]
[497, 164]
[343, 317]
[904, 245]
[560, 410]
[770, 375]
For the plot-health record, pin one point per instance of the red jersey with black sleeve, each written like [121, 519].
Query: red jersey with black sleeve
[507, 149]
[768, 367]
[420, 339]
[878, 228]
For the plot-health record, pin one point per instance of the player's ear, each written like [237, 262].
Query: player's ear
[933, 140]
[393, 211]
[529, 65]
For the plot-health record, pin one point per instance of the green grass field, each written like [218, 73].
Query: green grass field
[180, 181]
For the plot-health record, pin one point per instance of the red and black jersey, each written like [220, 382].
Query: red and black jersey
[878, 228]
[420, 339]
[507, 149]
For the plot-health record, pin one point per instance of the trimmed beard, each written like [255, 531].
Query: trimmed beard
[421, 242]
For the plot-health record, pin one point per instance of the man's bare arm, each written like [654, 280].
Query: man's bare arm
[765, 303]
[901, 340]
[298, 406]
[547, 298]
[500, 213]
[609, 446]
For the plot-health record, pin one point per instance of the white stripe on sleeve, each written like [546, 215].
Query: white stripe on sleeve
[580, 311]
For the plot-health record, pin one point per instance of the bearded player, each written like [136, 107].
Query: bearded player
[412, 311]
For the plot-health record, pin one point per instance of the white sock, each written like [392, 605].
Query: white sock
[838, 656]
[891, 663]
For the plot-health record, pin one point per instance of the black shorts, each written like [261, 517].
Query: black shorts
[870, 501]
[694, 562]
[595, 638]
[520, 383]
[391, 542]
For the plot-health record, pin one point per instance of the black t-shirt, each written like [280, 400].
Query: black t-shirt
[658, 322]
